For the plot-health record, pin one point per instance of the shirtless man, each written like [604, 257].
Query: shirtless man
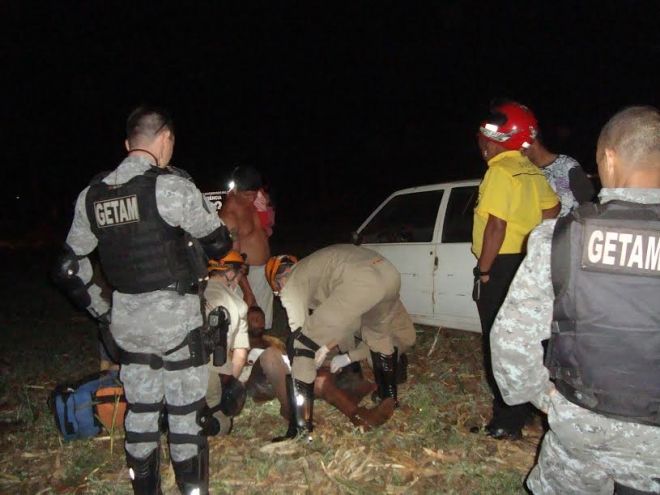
[250, 236]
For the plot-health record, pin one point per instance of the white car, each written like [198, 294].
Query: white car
[426, 232]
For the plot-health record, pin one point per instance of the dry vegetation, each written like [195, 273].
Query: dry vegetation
[426, 447]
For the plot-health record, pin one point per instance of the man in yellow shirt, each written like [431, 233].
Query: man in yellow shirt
[514, 197]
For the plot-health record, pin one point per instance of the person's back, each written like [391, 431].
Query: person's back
[316, 277]
[151, 228]
[324, 269]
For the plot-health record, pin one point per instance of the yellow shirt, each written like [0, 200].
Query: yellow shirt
[516, 191]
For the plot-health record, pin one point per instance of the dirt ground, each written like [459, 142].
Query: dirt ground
[426, 447]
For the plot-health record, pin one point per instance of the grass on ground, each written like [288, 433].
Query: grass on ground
[426, 447]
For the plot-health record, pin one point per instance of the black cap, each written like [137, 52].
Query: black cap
[246, 178]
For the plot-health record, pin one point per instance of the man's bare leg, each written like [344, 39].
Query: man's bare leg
[273, 367]
[326, 389]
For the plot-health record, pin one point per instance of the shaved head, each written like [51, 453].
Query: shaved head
[145, 123]
[634, 135]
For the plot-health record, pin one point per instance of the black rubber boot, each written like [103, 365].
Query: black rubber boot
[304, 407]
[301, 405]
[145, 473]
[292, 430]
[192, 475]
[385, 374]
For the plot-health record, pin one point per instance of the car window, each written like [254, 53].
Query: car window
[460, 211]
[405, 218]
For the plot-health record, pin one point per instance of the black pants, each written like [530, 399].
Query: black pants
[492, 296]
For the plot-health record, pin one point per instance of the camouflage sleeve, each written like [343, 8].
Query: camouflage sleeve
[181, 204]
[82, 241]
[522, 323]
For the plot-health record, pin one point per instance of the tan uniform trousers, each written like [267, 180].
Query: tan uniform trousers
[368, 295]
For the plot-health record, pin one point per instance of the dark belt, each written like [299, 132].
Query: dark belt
[182, 288]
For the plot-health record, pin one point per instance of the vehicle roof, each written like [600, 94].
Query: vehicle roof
[441, 185]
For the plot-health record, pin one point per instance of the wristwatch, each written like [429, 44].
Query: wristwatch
[478, 273]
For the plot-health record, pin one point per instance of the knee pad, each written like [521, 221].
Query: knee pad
[233, 397]
[198, 439]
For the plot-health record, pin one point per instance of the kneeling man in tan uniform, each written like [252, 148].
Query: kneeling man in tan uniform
[346, 289]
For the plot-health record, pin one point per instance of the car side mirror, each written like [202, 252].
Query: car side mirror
[356, 238]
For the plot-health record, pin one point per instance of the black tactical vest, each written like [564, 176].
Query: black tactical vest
[139, 251]
[604, 352]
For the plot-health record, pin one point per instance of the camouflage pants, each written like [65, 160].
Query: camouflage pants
[154, 323]
[143, 385]
[586, 453]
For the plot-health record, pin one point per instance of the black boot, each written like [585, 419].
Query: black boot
[301, 409]
[145, 473]
[192, 475]
[292, 430]
[385, 374]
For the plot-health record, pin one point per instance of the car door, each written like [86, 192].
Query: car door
[453, 280]
[402, 229]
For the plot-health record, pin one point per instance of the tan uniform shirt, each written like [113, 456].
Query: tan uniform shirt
[348, 287]
[217, 294]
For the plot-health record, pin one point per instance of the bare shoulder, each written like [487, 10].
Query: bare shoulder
[229, 207]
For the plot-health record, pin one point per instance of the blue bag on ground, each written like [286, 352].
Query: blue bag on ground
[73, 405]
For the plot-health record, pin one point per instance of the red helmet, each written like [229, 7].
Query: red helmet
[510, 124]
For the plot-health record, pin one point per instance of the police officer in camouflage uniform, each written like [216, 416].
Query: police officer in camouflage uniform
[590, 284]
[148, 223]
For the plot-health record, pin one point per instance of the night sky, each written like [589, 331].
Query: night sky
[337, 104]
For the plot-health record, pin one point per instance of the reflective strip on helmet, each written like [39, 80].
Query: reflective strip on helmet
[491, 132]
